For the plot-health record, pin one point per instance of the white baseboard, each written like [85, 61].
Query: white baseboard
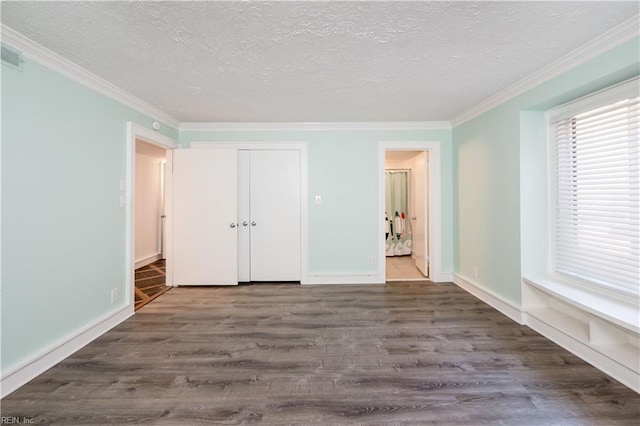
[147, 260]
[490, 298]
[624, 375]
[342, 279]
[442, 277]
[363, 278]
[51, 356]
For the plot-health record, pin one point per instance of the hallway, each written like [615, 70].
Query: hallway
[403, 268]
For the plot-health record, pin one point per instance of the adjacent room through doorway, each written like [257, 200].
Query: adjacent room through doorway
[406, 218]
[150, 267]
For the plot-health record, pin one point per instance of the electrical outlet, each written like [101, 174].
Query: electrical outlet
[475, 272]
[115, 295]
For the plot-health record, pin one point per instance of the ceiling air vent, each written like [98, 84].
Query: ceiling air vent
[12, 58]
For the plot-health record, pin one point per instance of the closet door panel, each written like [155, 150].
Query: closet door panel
[275, 211]
[244, 216]
[205, 203]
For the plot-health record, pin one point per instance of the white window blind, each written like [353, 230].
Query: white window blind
[597, 187]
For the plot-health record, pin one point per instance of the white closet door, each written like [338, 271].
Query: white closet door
[205, 237]
[275, 215]
[244, 216]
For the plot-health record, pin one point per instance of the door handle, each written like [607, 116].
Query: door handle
[253, 223]
[233, 225]
[244, 223]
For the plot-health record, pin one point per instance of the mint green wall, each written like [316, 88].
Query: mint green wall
[63, 230]
[534, 206]
[488, 221]
[497, 156]
[343, 169]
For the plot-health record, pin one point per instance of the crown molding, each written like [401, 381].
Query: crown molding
[319, 126]
[601, 44]
[40, 54]
[618, 35]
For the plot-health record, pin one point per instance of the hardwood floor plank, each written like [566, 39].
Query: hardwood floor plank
[283, 354]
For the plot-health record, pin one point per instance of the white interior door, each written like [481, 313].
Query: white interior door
[205, 211]
[163, 212]
[244, 216]
[420, 196]
[275, 215]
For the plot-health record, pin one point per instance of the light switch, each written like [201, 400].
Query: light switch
[318, 199]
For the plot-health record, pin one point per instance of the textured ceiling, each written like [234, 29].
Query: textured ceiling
[313, 61]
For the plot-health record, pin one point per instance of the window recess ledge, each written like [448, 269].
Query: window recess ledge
[611, 309]
[604, 331]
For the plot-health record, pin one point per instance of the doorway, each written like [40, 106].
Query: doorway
[406, 215]
[149, 204]
[433, 232]
[146, 196]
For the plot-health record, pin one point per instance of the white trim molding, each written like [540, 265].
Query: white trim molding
[152, 137]
[27, 371]
[40, 54]
[618, 371]
[319, 126]
[443, 277]
[252, 145]
[603, 331]
[329, 279]
[489, 297]
[147, 260]
[618, 35]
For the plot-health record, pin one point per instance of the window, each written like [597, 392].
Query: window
[595, 189]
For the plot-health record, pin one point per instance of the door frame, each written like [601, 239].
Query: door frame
[433, 219]
[127, 190]
[304, 185]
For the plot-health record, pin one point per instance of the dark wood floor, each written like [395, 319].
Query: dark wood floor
[400, 354]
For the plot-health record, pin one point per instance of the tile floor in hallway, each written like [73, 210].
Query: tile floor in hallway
[403, 268]
[150, 282]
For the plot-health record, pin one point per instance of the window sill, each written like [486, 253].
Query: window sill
[612, 309]
[601, 329]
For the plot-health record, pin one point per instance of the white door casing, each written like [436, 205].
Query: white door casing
[433, 231]
[275, 215]
[163, 217]
[205, 211]
[427, 208]
[127, 200]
